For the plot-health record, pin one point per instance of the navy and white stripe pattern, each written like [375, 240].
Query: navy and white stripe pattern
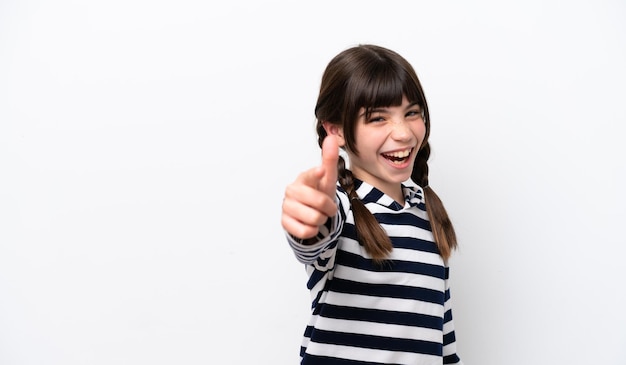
[364, 313]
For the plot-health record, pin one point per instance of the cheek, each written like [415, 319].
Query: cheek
[420, 134]
[420, 131]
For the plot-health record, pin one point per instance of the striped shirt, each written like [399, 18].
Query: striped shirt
[364, 313]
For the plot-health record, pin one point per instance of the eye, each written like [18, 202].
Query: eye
[376, 119]
[415, 113]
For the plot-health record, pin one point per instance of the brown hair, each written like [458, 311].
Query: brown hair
[369, 76]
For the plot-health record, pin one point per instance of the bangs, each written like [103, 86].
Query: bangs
[386, 88]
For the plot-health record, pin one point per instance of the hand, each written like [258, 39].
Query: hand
[310, 199]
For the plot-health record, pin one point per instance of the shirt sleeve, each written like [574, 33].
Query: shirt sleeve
[449, 339]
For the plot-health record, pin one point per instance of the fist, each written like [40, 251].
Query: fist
[310, 200]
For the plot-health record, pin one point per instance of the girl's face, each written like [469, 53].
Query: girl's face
[387, 142]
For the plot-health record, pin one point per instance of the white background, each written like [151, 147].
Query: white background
[145, 146]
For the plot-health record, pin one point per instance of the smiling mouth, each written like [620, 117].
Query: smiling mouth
[398, 157]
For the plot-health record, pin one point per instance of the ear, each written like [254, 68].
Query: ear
[335, 130]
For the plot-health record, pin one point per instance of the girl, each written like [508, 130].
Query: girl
[374, 236]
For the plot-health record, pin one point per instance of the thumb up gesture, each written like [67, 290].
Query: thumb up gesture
[310, 199]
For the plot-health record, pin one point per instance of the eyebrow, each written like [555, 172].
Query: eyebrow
[383, 110]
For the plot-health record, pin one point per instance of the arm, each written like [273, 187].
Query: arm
[449, 338]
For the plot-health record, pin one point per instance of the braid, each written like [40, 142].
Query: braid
[370, 233]
[443, 231]
[345, 177]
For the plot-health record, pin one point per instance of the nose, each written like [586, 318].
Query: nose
[400, 130]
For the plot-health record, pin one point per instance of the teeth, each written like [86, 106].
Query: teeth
[400, 154]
